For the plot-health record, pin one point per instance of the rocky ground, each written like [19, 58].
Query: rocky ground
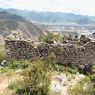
[61, 82]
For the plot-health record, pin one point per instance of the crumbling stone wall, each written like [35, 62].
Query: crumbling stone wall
[65, 53]
[44, 49]
[19, 50]
[71, 54]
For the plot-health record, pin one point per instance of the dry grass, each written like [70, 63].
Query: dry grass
[6, 80]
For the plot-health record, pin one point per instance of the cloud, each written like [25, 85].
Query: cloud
[74, 6]
[4, 4]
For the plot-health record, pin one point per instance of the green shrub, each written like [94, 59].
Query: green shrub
[50, 61]
[2, 53]
[93, 69]
[83, 87]
[72, 70]
[22, 91]
[19, 64]
[5, 69]
[15, 86]
[50, 37]
[36, 79]
[18, 86]
[14, 65]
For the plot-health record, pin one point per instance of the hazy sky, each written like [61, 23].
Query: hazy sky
[86, 7]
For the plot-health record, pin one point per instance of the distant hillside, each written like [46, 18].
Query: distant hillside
[12, 24]
[9, 16]
[53, 17]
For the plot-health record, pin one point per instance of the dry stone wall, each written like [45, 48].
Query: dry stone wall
[70, 54]
[19, 50]
[65, 53]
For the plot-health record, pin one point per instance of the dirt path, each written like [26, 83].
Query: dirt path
[5, 80]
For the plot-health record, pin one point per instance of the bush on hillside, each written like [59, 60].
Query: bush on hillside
[2, 53]
[84, 87]
[36, 79]
[49, 38]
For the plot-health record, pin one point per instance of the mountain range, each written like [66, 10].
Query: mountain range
[52, 17]
[31, 24]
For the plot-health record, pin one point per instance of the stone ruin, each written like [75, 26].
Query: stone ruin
[19, 49]
[69, 53]
[66, 54]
